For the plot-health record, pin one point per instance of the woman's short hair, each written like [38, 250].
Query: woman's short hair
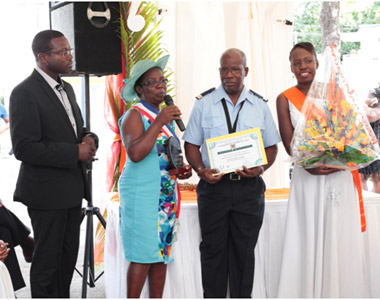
[304, 45]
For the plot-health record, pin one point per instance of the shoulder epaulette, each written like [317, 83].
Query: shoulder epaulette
[199, 97]
[258, 95]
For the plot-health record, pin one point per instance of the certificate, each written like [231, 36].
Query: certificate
[233, 151]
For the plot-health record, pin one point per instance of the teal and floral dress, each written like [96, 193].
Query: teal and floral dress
[148, 201]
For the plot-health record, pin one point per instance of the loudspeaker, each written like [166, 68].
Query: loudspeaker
[92, 29]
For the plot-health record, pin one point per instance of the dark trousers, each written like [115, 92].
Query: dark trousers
[56, 244]
[230, 216]
[14, 232]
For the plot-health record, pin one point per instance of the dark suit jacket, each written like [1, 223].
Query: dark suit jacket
[50, 177]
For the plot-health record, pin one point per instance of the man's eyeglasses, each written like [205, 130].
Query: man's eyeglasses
[234, 71]
[63, 53]
[155, 82]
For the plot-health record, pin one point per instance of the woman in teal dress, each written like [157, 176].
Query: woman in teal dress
[148, 193]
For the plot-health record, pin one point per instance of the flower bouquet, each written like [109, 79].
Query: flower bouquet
[332, 130]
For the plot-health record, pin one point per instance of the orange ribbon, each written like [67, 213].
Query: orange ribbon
[297, 98]
[356, 176]
[123, 154]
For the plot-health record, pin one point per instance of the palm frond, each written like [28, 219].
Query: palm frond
[137, 46]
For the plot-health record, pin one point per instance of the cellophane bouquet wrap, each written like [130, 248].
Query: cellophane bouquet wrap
[332, 131]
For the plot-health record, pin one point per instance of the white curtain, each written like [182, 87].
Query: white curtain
[196, 34]
[271, 41]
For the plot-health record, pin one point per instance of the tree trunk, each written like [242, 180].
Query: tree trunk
[330, 25]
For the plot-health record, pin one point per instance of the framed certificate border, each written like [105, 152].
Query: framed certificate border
[230, 152]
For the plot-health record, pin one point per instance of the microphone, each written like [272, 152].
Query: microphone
[169, 101]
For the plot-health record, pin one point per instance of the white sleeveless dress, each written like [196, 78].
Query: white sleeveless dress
[323, 252]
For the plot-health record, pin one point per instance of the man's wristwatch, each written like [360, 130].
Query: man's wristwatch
[262, 170]
[199, 169]
[96, 139]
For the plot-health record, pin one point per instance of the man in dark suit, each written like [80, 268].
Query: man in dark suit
[49, 139]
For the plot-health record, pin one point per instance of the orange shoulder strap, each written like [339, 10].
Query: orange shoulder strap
[295, 96]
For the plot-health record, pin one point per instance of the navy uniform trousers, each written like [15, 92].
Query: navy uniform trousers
[230, 215]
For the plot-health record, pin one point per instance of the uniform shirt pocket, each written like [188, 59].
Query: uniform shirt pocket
[214, 126]
[253, 123]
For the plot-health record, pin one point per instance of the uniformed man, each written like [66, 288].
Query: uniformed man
[231, 206]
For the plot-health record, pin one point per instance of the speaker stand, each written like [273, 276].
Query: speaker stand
[88, 262]
[89, 212]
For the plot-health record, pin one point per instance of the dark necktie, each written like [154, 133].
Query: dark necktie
[66, 104]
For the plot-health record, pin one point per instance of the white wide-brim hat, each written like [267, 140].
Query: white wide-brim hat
[128, 92]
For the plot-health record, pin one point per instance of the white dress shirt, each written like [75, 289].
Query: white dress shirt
[59, 90]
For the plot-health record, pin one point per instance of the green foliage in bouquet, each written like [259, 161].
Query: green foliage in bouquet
[347, 157]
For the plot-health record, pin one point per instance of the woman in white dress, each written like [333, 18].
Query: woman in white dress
[322, 254]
